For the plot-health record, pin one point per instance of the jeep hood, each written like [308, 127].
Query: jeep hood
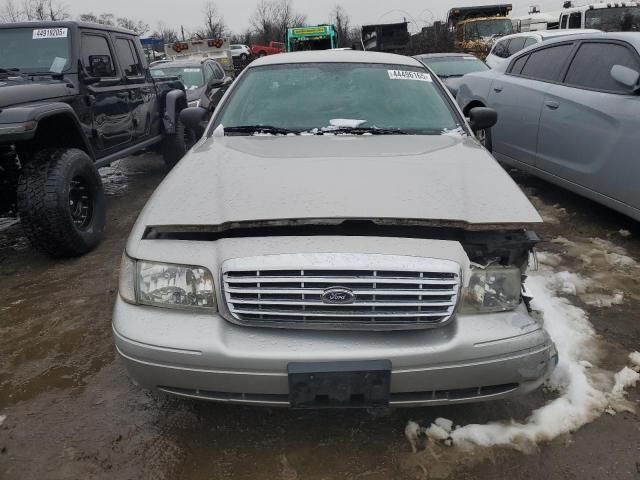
[20, 91]
[441, 179]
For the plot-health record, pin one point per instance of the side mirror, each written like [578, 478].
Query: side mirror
[89, 80]
[215, 83]
[482, 118]
[626, 76]
[192, 117]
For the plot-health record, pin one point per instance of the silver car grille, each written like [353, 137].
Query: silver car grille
[382, 299]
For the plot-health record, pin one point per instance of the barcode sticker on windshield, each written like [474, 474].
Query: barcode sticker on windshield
[409, 75]
[60, 32]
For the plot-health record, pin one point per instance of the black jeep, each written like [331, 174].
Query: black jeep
[75, 97]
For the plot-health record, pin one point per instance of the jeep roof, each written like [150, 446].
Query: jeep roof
[69, 24]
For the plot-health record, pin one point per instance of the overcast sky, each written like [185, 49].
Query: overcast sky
[237, 12]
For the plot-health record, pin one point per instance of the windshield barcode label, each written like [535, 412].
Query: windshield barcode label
[409, 75]
[39, 33]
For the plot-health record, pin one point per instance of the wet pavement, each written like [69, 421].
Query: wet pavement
[71, 412]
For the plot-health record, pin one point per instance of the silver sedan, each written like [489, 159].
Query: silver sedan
[568, 112]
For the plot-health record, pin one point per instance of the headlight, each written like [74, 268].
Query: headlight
[492, 289]
[195, 103]
[166, 285]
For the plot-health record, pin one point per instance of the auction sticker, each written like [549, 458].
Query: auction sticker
[409, 75]
[60, 32]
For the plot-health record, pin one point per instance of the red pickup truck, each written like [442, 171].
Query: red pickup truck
[262, 50]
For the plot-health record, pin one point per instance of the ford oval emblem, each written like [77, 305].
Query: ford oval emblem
[338, 296]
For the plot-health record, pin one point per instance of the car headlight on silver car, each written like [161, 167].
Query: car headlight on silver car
[492, 289]
[166, 284]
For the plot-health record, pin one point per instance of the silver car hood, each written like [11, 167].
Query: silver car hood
[441, 178]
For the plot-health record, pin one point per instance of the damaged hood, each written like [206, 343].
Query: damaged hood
[441, 178]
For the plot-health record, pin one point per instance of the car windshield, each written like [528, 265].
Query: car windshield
[454, 66]
[321, 97]
[489, 28]
[192, 77]
[617, 19]
[35, 50]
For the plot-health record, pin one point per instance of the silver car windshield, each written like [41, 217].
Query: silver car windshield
[324, 97]
[192, 77]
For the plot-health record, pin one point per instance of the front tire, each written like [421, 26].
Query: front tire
[61, 202]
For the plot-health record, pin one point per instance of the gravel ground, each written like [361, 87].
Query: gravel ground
[71, 412]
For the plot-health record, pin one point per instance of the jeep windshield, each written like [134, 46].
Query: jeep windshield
[35, 50]
[336, 98]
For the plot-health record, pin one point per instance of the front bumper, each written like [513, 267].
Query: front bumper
[199, 355]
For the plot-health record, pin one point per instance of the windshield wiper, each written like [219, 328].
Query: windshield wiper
[259, 129]
[5, 72]
[363, 130]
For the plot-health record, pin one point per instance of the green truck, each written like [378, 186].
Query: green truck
[319, 37]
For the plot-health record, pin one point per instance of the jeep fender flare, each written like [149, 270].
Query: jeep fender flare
[22, 123]
[174, 102]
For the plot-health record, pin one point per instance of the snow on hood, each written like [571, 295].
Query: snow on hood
[246, 178]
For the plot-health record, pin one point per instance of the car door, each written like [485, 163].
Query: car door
[213, 71]
[138, 85]
[107, 114]
[518, 97]
[589, 124]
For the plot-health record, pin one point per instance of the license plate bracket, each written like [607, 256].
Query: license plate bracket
[339, 384]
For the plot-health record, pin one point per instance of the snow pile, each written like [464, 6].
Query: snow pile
[581, 398]
[624, 233]
[625, 378]
[634, 358]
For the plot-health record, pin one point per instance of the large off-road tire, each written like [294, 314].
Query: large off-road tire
[61, 202]
[175, 146]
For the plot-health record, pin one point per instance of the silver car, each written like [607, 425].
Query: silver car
[568, 112]
[337, 238]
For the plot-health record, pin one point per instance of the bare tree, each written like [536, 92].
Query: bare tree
[107, 19]
[261, 21]
[285, 17]
[271, 19]
[43, 10]
[11, 12]
[88, 17]
[166, 34]
[348, 35]
[139, 27]
[214, 25]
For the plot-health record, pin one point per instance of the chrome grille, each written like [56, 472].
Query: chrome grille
[383, 298]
